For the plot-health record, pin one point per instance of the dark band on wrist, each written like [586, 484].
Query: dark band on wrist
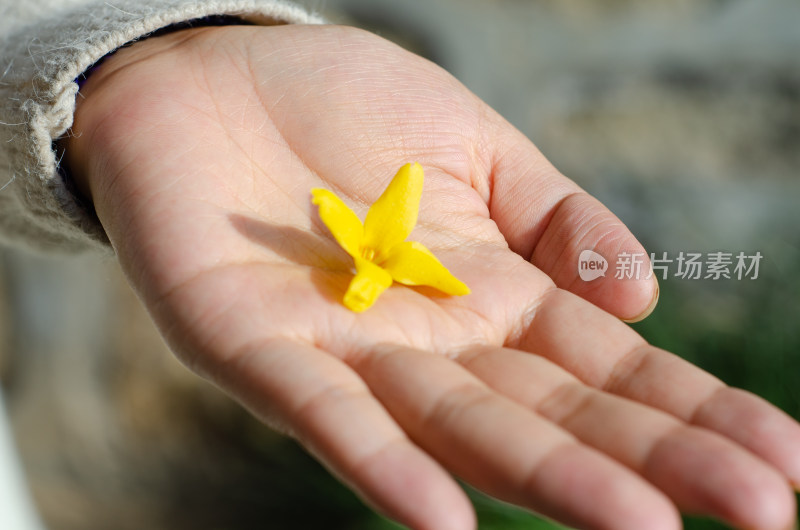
[63, 172]
[209, 21]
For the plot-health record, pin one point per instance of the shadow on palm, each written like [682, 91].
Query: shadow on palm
[423, 316]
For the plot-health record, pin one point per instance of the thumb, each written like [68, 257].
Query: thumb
[550, 220]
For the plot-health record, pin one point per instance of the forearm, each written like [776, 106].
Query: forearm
[44, 48]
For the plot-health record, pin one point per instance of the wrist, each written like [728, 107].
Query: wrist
[74, 149]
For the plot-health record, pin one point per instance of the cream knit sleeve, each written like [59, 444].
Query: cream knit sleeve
[44, 46]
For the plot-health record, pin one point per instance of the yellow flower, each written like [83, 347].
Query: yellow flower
[379, 247]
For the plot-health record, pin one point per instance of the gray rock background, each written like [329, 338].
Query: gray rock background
[683, 117]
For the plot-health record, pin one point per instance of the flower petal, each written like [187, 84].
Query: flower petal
[392, 217]
[343, 223]
[366, 286]
[410, 263]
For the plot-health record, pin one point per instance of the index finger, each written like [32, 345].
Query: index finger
[605, 353]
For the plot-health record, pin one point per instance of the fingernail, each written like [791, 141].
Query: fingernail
[646, 313]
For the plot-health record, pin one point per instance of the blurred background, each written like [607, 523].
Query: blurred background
[682, 116]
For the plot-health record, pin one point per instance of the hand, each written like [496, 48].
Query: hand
[199, 150]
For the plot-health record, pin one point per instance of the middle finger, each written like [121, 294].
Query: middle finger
[505, 449]
[701, 471]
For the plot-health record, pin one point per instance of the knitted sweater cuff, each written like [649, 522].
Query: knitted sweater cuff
[40, 64]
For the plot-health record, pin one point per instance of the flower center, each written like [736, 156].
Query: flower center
[368, 253]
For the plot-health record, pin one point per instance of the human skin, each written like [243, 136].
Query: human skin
[199, 149]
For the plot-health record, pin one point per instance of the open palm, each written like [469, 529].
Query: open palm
[199, 151]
